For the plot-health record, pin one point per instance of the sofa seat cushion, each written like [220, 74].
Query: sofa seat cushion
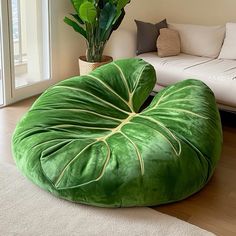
[218, 74]
[86, 140]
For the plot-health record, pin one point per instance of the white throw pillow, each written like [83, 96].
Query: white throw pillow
[228, 50]
[198, 40]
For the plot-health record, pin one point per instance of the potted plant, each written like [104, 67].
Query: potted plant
[95, 20]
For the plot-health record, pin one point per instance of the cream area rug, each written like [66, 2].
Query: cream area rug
[27, 210]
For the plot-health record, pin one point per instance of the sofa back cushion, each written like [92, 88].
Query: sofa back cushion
[228, 50]
[168, 43]
[198, 40]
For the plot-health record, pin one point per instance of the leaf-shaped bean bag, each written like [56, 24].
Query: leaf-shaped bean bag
[85, 140]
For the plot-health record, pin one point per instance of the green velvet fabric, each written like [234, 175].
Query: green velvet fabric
[85, 140]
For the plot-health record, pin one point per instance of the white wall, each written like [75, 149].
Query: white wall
[67, 45]
[206, 12]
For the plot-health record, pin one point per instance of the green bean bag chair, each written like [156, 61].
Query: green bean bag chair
[85, 140]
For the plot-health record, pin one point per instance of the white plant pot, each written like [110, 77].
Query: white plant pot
[86, 67]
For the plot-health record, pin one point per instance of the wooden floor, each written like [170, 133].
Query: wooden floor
[213, 208]
[9, 116]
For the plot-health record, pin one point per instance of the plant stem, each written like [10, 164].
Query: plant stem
[95, 47]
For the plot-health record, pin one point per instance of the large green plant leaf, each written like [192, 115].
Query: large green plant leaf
[88, 12]
[75, 26]
[121, 4]
[107, 16]
[77, 18]
[118, 20]
[77, 3]
[101, 3]
[85, 139]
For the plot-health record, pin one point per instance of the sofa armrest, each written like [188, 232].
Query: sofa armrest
[122, 44]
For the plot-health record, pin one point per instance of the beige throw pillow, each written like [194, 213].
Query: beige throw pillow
[168, 43]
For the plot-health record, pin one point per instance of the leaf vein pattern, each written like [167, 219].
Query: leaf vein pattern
[130, 102]
[112, 91]
[164, 96]
[185, 111]
[79, 126]
[53, 140]
[57, 182]
[103, 169]
[122, 77]
[94, 96]
[67, 143]
[137, 82]
[177, 152]
[177, 100]
[87, 111]
[141, 162]
[181, 89]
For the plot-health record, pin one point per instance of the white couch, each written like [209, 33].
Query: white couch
[218, 74]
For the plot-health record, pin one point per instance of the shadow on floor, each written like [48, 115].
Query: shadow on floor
[228, 118]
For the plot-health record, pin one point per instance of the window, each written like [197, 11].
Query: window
[30, 37]
[28, 62]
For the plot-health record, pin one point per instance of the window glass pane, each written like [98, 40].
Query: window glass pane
[30, 34]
